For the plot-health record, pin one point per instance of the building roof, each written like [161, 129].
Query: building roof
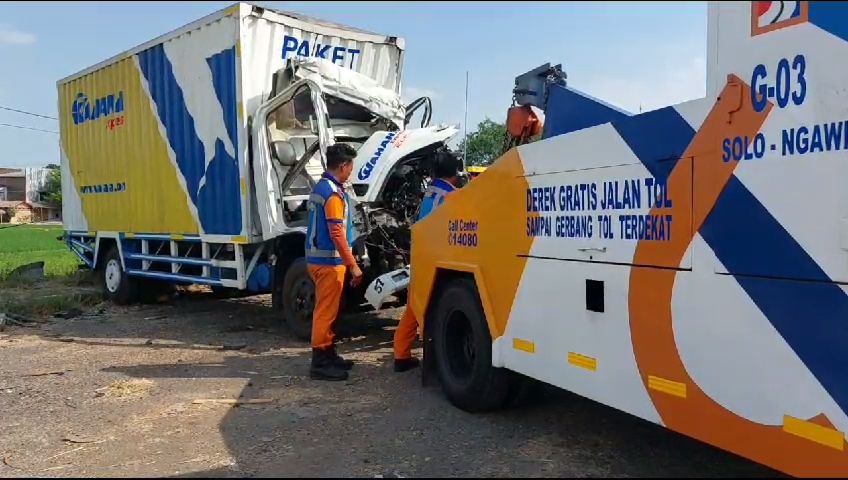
[41, 205]
[12, 173]
[18, 203]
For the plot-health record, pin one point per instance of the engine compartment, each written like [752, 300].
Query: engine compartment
[385, 225]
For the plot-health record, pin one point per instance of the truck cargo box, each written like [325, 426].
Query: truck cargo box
[154, 140]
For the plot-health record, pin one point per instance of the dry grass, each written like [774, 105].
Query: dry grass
[129, 388]
[49, 296]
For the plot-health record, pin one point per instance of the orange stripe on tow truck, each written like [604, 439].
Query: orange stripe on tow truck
[501, 234]
[650, 299]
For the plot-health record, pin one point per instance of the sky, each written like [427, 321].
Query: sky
[631, 54]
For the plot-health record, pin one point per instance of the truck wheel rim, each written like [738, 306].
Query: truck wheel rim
[461, 350]
[304, 298]
[113, 276]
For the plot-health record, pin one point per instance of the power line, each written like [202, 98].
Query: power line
[26, 128]
[27, 113]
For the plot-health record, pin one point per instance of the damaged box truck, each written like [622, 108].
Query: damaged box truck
[190, 159]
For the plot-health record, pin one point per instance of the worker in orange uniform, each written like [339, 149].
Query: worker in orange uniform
[446, 172]
[328, 257]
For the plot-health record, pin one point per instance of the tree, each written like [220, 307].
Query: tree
[52, 191]
[486, 144]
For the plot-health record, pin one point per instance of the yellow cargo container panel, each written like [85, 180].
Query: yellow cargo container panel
[154, 141]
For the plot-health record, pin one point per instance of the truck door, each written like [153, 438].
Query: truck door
[288, 131]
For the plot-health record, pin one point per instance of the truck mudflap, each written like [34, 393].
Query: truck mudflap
[387, 285]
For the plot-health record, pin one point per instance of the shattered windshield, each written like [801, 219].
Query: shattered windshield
[343, 111]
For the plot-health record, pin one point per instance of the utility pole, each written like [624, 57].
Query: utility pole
[465, 126]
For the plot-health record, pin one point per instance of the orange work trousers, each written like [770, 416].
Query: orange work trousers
[405, 334]
[329, 285]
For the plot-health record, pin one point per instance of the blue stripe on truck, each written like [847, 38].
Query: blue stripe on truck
[174, 276]
[178, 123]
[223, 67]
[569, 110]
[658, 138]
[796, 295]
[791, 290]
[218, 202]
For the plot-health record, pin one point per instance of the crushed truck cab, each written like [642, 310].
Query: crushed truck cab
[685, 265]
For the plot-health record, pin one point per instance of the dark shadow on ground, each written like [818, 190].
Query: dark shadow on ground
[203, 322]
[553, 434]
[379, 422]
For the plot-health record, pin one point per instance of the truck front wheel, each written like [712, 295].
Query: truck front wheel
[463, 348]
[298, 299]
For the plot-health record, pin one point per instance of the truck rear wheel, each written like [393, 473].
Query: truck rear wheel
[299, 299]
[463, 348]
[118, 287]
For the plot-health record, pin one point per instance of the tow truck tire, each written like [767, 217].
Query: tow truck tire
[298, 299]
[463, 348]
[118, 287]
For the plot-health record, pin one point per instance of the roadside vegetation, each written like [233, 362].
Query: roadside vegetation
[63, 287]
[24, 244]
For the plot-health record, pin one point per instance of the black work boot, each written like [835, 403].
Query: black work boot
[340, 361]
[323, 367]
[406, 364]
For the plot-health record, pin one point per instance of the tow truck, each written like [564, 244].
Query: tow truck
[687, 265]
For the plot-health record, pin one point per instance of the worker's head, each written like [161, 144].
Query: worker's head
[340, 160]
[447, 167]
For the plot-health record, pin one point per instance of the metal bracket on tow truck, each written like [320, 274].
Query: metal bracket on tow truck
[387, 285]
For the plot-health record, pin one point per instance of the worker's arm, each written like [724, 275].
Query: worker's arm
[334, 212]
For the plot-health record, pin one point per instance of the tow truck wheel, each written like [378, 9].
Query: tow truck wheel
[299, 299]
[463, 348]
[118, 287]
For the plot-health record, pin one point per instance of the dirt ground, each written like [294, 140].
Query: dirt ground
[114, 394]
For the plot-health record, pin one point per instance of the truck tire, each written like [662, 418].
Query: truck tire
[118, 287]
[463, 348]
[298, 299]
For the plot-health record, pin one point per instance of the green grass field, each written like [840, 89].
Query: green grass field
[20, 245]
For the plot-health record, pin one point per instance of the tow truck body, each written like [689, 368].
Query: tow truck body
[686, 265]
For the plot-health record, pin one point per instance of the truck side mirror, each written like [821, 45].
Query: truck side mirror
[414, 106]
[284, 153]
